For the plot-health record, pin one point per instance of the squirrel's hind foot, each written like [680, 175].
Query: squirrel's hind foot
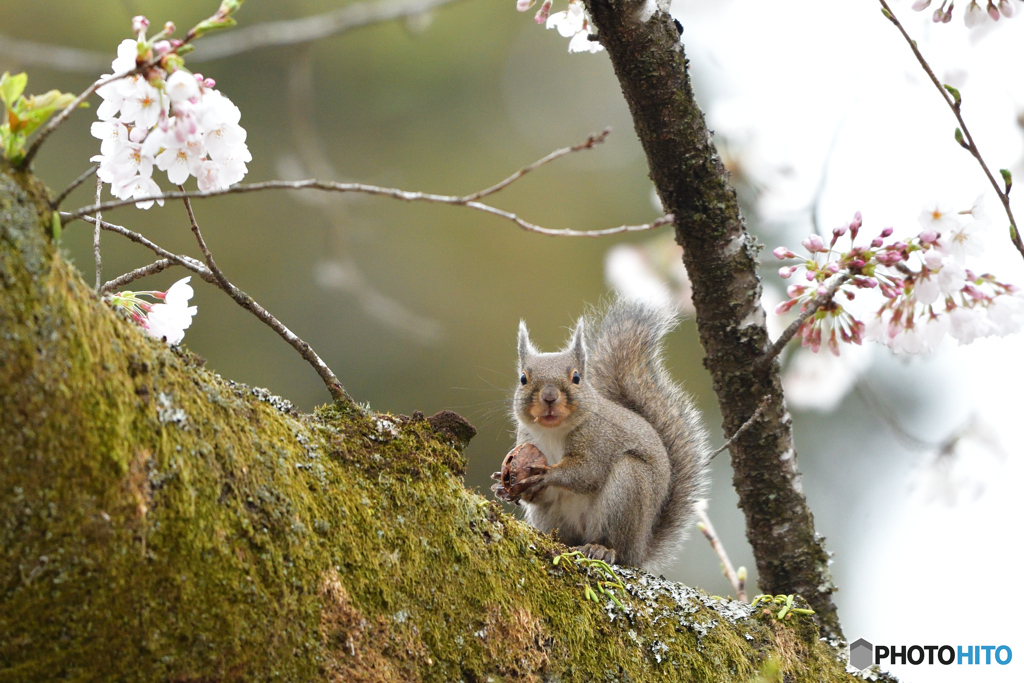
[596, 551]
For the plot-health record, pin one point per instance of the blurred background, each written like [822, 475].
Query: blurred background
[911, 464]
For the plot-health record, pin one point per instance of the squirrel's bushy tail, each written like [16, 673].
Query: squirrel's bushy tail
[625, 364]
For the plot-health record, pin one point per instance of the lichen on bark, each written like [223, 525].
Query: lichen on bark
[162, 523]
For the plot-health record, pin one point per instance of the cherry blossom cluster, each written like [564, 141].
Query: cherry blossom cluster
[166, 117]
[573, 23]
[166, 320]
[974, 15]
[926, 290]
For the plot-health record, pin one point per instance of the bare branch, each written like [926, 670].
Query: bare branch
[968, 143]
[152, 269]
[188, 262]
[74, 184]
[26, 52]
[393, 193]
[96, 237]
[795, 326]
[309, 29]
[708, 529]
[744, 427]
[593, 139]
[330, 380]
[269, 34]
[61, 117]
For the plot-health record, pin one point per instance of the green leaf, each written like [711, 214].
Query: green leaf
[1007, 179]
[55, 226]
[955, 93]
[11, 87]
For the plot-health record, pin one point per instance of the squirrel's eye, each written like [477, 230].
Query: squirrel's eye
[575, 377]
[522, 380]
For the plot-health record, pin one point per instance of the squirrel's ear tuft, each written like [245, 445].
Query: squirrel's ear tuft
[526, 347]
[578, 346]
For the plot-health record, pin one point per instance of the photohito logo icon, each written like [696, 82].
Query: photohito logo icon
[862, 654]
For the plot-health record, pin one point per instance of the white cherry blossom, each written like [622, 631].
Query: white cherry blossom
[574, 23]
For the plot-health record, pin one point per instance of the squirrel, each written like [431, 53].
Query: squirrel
[627, 456]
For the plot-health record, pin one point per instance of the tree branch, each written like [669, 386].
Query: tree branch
[309, 29]
[737, 580]
[330, 380]
[954, 105]
[794, 327]
[393, 193]
[74, 184]
[157, 266]
[268, 34]
[721, 260]
[745, 427]
[97, 258]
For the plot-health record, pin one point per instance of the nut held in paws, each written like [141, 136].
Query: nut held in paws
[522, 461]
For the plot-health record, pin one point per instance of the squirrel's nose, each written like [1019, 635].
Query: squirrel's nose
[549, 394]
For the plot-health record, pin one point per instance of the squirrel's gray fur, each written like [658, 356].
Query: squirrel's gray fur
[628, 460]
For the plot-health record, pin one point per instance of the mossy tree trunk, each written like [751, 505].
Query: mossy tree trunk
[160, 523]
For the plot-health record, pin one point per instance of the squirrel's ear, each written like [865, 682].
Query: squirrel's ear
[526, 347]
[578, 346]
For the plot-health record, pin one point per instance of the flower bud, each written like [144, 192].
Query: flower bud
[992, 10]
[523, 5]
[783, 253]
[139, 24]
[793, 291]
[886, 232]
[832, 267]
[876, 243]
[857, 263]
[209, 83]
[786, 272]
[937, 16]
[813, 244]
[840, 231]
[169, 28]
[920, 5]
[900, 246]
[785, 306]
[138, 134]
[542, 13]
[1006, 7]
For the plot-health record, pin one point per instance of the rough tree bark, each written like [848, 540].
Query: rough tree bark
[159, 523]
[721, 259]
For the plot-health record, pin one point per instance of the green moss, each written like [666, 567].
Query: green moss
[161, 523]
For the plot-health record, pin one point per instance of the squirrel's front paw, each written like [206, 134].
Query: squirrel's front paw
[501, 493]
[530, 487]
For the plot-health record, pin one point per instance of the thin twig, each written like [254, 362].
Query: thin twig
[330, 380]
[746, 425]
[96, 237]
[268, 34]
[152, 269]
[795, 326]
[59, 57]
[61, 117]
[378, 191]
[954, 106]
[593, 139]
[708, 529]
[309, 29]
[197, 267]
[74, 184]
